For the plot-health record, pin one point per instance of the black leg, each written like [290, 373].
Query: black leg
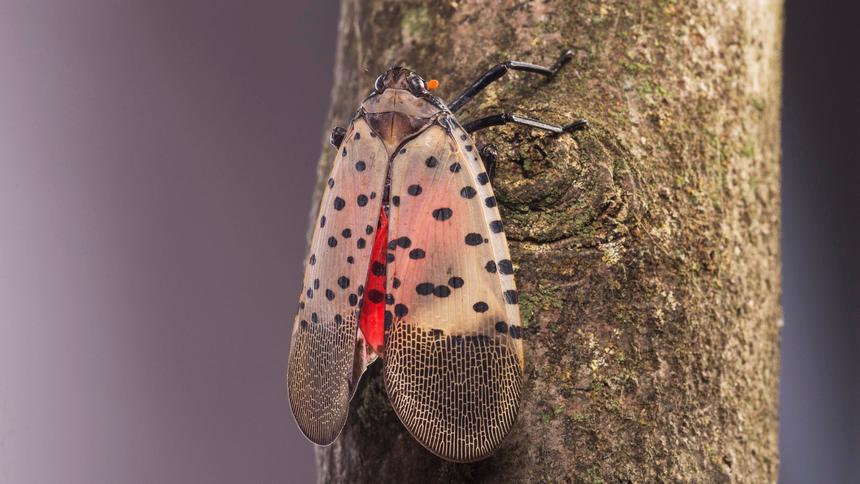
[489, 155]
[500, 119]
[499, 70]
[337, 135]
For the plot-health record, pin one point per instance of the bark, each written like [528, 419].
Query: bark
[646, 247]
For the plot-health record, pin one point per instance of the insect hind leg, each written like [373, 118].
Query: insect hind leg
[507, 118]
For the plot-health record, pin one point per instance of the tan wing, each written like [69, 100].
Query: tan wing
[453, 356]
[326, 354]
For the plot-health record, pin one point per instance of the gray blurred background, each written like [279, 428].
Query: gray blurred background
[156, 165]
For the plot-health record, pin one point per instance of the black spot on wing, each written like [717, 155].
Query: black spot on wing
[468, 192]
[474, 239]
[401, 310]
[375, 296]
[404, 242]
[442, 214]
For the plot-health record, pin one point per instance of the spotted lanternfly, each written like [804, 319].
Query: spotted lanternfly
[409, 262]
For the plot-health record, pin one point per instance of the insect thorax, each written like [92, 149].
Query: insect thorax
[397, 114]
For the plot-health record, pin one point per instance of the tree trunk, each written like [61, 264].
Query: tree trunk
[646, 247]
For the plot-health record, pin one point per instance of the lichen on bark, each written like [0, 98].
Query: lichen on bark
[646, 247]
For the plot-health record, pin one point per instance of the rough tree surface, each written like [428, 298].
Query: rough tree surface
[646, 247]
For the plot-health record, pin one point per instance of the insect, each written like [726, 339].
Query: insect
[409, 263]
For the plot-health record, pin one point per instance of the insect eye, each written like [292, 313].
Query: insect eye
[416, 85]
[379, 85]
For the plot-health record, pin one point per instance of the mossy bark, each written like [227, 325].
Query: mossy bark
[646, 247]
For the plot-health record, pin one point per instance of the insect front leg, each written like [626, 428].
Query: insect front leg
[507, 118]
[337, 134]
[499, 70]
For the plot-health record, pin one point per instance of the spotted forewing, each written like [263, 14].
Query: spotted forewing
[453, 356]
[323, 356]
